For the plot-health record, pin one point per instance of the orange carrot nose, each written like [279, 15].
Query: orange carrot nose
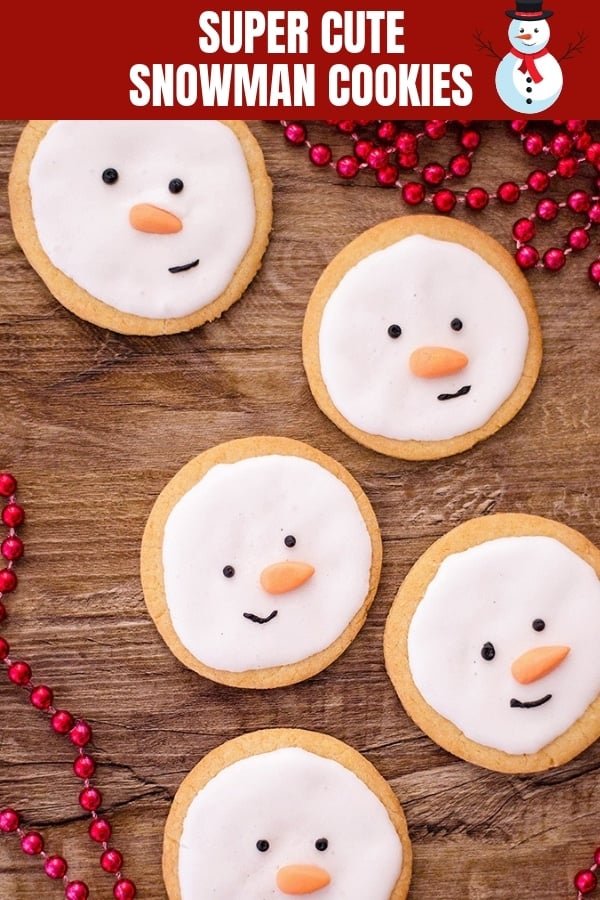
[523, 37]
[282, 577]
[153, 219]
[434, 362]
[537, 662]
[302, 879]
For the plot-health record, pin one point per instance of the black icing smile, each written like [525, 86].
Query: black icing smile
[258, 619]
[460, 393]
[184, 268]
[530, 704]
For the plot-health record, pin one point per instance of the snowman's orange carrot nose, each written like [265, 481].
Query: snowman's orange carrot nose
[282, 577]
[537, 662]
[523, 37]
[435, 362]
[153, 219]
[302, 879]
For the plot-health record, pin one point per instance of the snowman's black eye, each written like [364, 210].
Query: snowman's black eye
[487, 651]
[228, 571]
[536, 30]
[394, 331]
[289, 540]
[322, 844]
[109, 176]
[262, 845]
[456, 325]
[176, 185]
[538, 624]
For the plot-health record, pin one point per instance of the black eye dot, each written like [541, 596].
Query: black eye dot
[109, 176]
[536, 30]
[228, 571]
[538, 624]
[322, 844]
[487, 651]
[262, 845]
[456, 325]
[176, 185]
[289, 540]
[394, 331]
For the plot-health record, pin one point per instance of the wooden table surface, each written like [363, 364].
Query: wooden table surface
[94, 424]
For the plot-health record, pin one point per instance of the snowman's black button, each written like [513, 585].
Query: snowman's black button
[529, 100]
[529, 79]
[529, 90]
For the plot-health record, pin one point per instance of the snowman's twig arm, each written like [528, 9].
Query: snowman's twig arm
[575, 47]
[485, 45]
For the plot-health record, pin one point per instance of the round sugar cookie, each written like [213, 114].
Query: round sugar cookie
[421, 338]
[491, 642]
[143, 227]
[286, 812]
[259, 562]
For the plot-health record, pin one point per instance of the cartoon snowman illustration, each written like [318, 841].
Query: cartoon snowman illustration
[529, 79]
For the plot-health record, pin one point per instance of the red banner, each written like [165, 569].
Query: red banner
[497, 59]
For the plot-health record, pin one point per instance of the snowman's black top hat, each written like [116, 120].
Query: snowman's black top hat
[529, 11]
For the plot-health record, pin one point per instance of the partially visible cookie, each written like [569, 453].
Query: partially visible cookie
[286, 812]
[260, 560]
[421, 338]
[144, 227]
[491, 642]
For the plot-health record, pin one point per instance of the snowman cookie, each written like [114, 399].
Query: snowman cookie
[421, 338]
[491, 642]
[259, 562]
[143, 227]
[286, 812]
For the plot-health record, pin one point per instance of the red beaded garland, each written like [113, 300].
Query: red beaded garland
[19, 673]
[509, 192]
[32, 843]
[387, 149]
[76, 890]
[55, 867]
[320, 154]
[8, 484]
[111, 861]
[8, 581]
[524, 230]
[554, 258]
[84, 766]
[124, 889]
[585, 881]
[13, 515]
[90, 799]
[62, 722]
[527, 256]
[413, 193]
[80, 734]
[444, 200]
[9, 820]
[578, 239]
[41, 697]
[100, 830]
[477, 198]
[12, 548]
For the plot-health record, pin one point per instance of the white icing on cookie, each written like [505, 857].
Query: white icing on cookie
[84, 224]
[239, 515]
[492, 594]
[290, 798]
[421, 285]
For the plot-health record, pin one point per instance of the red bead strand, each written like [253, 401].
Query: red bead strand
[62, 722]
[385, 149]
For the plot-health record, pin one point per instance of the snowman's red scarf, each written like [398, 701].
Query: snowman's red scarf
[528, 65]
